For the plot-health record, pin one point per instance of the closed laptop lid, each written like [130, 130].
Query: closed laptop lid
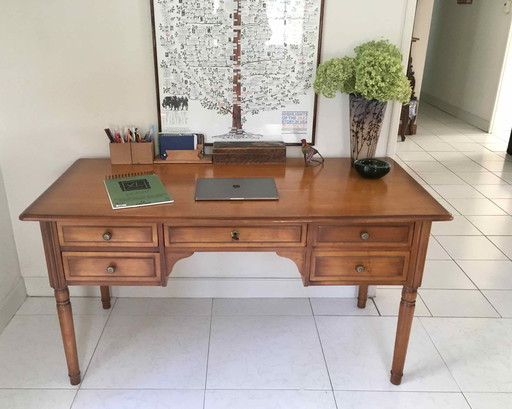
[236, 189]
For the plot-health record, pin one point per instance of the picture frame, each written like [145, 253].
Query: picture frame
[464, 1]
[237, 70]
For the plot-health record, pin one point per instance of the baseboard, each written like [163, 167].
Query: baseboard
[206, 287]
[457, 112]
[237, 288]
[40, 287]
[12, 302]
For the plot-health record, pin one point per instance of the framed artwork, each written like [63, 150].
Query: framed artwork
[464, 1]
[237, 70]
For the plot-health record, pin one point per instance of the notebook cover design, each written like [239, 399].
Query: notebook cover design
[136, 190]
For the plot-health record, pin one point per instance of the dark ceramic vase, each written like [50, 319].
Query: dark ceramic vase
[366, 117]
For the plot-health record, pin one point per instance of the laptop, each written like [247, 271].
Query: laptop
[236, 189]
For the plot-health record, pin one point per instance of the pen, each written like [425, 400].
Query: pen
[151, 133]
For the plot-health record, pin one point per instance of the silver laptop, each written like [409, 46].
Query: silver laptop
[236, 189]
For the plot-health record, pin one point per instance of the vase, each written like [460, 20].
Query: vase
[366, 117]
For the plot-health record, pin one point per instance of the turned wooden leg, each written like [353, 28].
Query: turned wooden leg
[105, 296]
[67, 329]
[362, 296]
[403, 331]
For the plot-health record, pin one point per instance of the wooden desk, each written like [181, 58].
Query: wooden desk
[339, 229]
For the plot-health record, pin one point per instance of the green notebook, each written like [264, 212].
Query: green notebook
[136, 190]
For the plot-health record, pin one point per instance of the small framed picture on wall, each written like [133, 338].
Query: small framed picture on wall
[464, 1]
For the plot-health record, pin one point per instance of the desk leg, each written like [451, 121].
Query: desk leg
[105, 296]
[362, 296]
[403, 331]
[67, 329]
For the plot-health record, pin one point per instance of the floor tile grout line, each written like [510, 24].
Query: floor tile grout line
[112, 306]
[208, 355]
[424, 303]
[74, 398]
[466, 399]
[469, 278]
[492, 305]
[335, 400]
[311, 306]
[420, 319]
[323, 352]
[476, 259]
[477, 288]
[264, 390]
[510, 214]
[500, 250]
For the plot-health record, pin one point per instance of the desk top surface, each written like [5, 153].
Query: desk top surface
[331, 190]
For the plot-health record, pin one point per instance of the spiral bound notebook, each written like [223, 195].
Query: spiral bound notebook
[136, 189]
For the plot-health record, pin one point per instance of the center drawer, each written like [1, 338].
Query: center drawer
[114, 266]
[231, 236]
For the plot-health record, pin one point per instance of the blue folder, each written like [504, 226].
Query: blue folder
[176, 142]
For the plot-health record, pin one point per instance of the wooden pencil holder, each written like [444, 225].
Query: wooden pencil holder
[142, 153]
[120, 153]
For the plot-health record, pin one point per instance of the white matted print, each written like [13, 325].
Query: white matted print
[237, 69]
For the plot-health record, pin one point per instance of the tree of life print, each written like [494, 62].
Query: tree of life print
[237, 58]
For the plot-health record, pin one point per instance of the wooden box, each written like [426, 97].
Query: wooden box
[185, 156]
[192, 155]
[120, 153]
[249, 152]
[142, 153]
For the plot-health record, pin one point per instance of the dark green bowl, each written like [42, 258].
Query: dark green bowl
[372, 168]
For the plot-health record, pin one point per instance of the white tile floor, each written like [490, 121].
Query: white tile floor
[300, 353]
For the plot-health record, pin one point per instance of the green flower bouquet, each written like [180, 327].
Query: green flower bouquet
[376, 72]
[371, 78]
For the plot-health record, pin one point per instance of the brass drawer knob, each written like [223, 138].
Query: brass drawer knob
[111, 269]
[360, 269]
[107, 236]
[235, 235]
[365, 235]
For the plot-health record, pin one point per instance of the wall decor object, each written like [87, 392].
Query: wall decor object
[464, 1]
[309, 154]
[237, 70]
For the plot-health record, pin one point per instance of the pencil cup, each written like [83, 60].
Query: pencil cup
[120, 153]
[142, 153]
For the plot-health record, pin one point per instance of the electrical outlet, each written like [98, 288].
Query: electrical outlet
[506, 6]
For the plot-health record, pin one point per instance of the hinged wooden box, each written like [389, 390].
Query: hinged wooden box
[249, 152]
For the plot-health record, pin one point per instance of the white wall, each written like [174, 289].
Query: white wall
[465, 59]
[12, 290]
[502, 122]
[71, 68]
[422, 21]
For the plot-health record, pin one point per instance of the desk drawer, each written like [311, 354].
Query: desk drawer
[107, 235]
[256, 236]
[115, 266]
[364, 234]
[331, 266]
